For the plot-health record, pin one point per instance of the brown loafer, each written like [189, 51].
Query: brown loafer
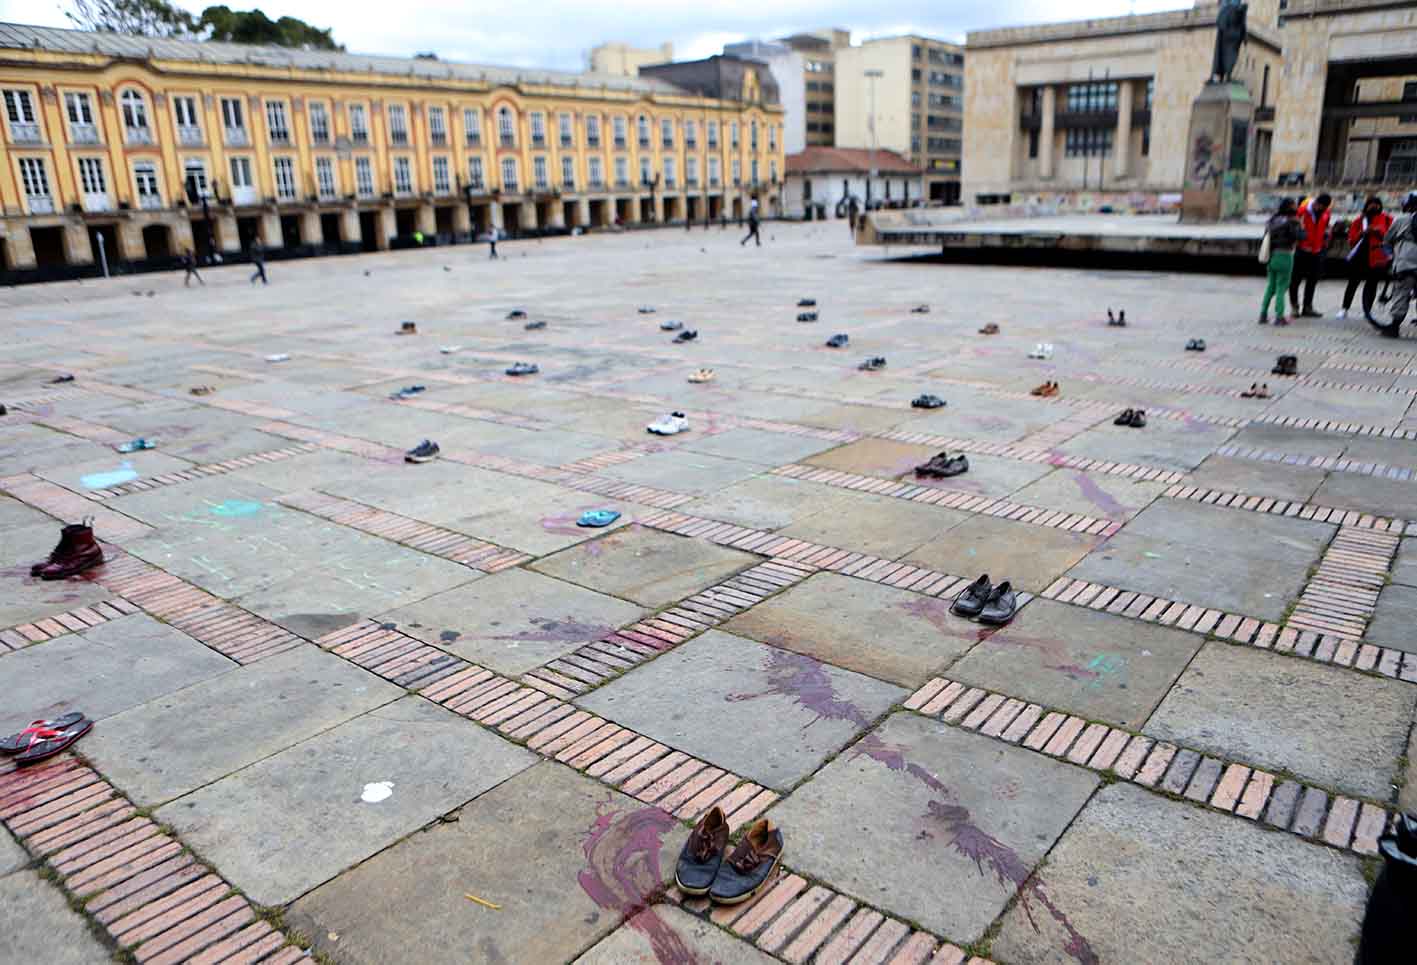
[702, 855]
[751, 867]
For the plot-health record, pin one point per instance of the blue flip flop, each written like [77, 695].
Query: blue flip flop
[597, 517]
[136, 445]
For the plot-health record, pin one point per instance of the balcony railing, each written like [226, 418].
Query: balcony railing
[280, 138]
[237, 137]
[22, 133]
[398, 138]
[442, 188]
[439, 138]
[41, 204]
[713, 182]
[189, 134]
[713, 144]
[538, 140]
[592, 140]
[510, 186]
[691, 144]
[622, 182]
[670, 183]
[667, 142]
[567, 140]
[644, 144]
[508, 140]
[320, 136]
[150, 202]
[84, 133]
[138, 135]
[691, 182]
[359, 137]
[474, 140]
[621, 144]
[568, 185]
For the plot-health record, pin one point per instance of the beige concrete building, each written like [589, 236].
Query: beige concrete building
[818, 50]
[1097, 112]
[622, 60]
[1100, 107]
[919, 88]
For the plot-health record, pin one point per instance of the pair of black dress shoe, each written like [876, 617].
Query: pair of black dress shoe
[989, 604]
[706, 867]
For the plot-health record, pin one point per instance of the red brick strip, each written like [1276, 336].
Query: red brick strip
[443, 543]
[1342, 595]
[129, 875]
[1233, 787]
[1323, 647]
[1280, 507]
[70, 507]
[74, 621]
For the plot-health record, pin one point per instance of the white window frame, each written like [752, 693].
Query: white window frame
[715, 171]
[642, 131]
[146, 185]
[592, 130]
[510, 182]
[243, 179]
[403, 175]
[34, 179]
[198, 165]
[753, 171]
[326, 183]
[286, 184]
[364, 177]
[233, 122]
[359, 123]
[691, 172]
[538, 129]
[691, 135]
[188, 118]
[596, 171]
[476, 177]
[733, 135]
[539, 175]
[666, 133]
[442, 175]
[566, 129]
[21, 116]
[277, 122]
[438, 125]
[93, 183]
[397, 117]
[671, 178]
[622, 171]
[712, 135]
[78, 111]
[319, 116]
[646, 171]
[506, 127]
[472, 126]
[137, 122]
[620, 131]
[568, 172]
[737, 171]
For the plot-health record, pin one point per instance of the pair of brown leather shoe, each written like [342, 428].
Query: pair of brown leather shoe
[77, 551]
[707, 868]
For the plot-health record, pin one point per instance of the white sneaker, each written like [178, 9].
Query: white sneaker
[669, 425]
[1043, 350]
[1341, 314]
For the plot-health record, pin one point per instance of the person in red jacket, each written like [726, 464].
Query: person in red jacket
[1314, 216]
[1368, 258]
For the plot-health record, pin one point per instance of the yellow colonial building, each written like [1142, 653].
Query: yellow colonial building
[133, 150]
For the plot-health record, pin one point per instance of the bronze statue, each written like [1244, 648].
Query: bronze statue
[1229, 38]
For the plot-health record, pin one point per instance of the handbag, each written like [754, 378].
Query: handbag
[1265, 249]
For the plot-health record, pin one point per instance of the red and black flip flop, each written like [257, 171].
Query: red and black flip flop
[46, 743]
[16, 743]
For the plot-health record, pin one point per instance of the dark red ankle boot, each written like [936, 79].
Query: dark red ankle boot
[77, 551]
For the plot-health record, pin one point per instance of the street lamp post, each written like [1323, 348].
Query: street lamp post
[872, 75]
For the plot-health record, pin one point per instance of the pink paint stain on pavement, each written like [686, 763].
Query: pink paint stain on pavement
[805, 680]
[550, 630]
[1099, 497]
[622, 874]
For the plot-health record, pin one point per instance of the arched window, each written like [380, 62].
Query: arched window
[135, 116]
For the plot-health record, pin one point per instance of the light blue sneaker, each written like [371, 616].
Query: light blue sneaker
[597, 518]
[135, 445]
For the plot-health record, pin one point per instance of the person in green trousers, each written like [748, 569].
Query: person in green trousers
[1284, 231]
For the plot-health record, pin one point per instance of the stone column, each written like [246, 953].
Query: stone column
[659, 209]
[224, 233]
[270, 232]
[462, 219]
[1122, 149]
[427, 220]
[556, 215]
[350, 231]
[1045, 132]
[130, 241]
[388, 223]
[635, 214]
[312, 232]
[182, 234]
[78, 250]
[529, 220]
[494, 216]
[19, 249]
[583, 212]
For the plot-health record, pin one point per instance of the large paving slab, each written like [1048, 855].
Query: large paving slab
[514, 621]
[178, 742]
[37, 925]
[1382, 497]
[1090, 493]
[1030, 557]
[565, 858]
[1340, 729]
[1140, 878]
[935, 824]
[663, 931]
[878, 525]
[12, 856]
[895, 635]
[768, 502]
[1396, 617]
[1095, 665]
[103, 671]
[1171, 445]
[1257, 478]
[645, 566]
[288, 823]
[768, 714]
[873, 457]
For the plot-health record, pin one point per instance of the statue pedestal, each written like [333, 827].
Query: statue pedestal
[1216, 186]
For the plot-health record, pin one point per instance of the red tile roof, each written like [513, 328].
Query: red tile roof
[845, 160]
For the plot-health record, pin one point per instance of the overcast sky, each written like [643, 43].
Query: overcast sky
[557, 33]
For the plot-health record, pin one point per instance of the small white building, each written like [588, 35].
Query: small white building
[826, 179]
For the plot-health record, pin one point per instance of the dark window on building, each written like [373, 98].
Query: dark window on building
[1146, 142]
[1092, 98]
[1032, 144]
[944, 145]
[937, 123]
[1088, 142]
[915, 74]
[915, 51]
[1409, 95]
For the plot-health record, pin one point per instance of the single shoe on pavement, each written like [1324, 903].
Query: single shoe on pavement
[702, 375]
[133, 445]
[750, 867]
[670, 325]
[688, 335]
[76, 552]
[523, 368]
[806, 316]
[702, 855]
[838, 340]
[1001, 605]
[535, 326]
[646, 309]
[516, 315]
[806, 303]
[407, 328]
[425, 451]
[920, 310]
[873, 364]
[927, 401]
[669, 425]
[991, 329]
[973, 597]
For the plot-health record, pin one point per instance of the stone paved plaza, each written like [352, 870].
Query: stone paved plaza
[350, 707]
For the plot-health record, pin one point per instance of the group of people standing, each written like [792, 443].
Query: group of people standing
[1381, 250]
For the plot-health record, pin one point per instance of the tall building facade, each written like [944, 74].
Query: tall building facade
[911, 89]
[787, 67]
[818, 49]
[622, 60]
[136, 149]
